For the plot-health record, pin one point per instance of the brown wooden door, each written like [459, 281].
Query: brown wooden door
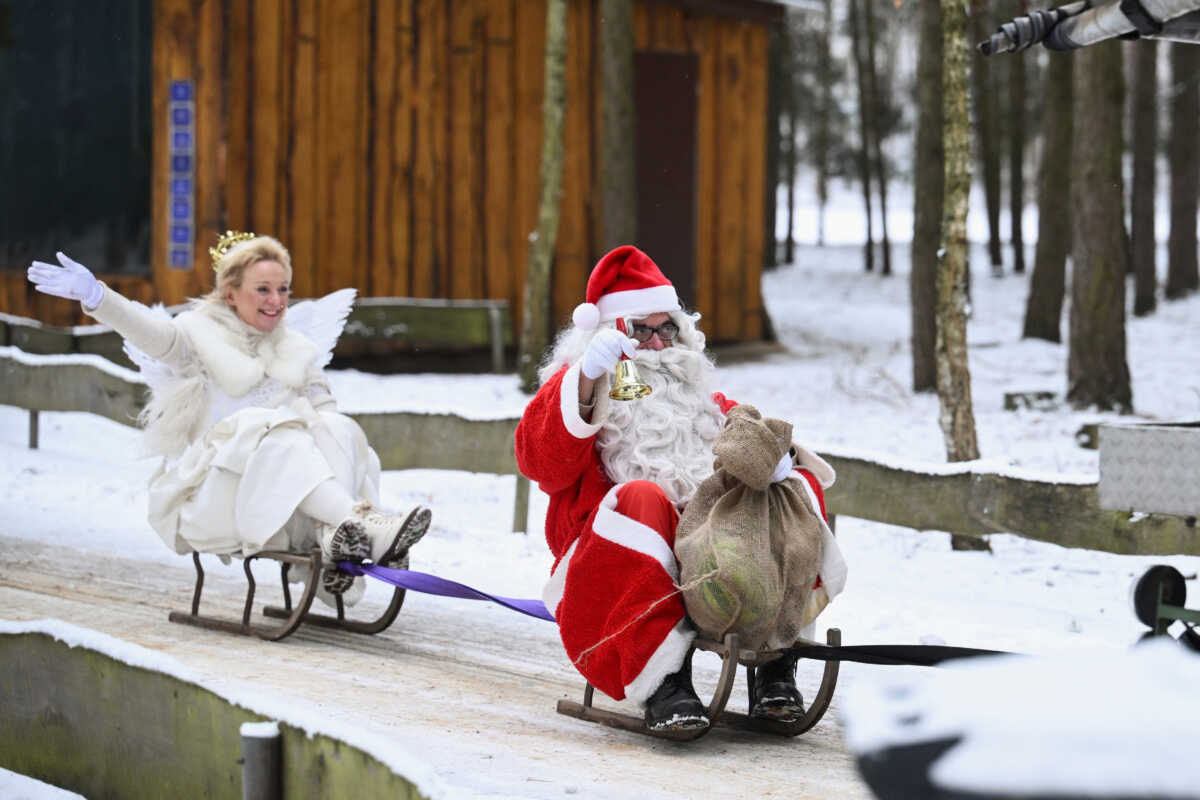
[666, 165]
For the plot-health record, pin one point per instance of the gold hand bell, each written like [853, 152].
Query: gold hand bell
[627, 384]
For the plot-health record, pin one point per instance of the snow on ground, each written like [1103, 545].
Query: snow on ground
[844, 383]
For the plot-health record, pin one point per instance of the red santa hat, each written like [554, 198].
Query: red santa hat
[624, 283]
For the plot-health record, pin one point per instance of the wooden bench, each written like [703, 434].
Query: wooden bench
[414, 324]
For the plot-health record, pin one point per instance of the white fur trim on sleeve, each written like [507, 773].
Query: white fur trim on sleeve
[667, 658]
[568, 398]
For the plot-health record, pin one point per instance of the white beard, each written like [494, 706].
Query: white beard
[666, 437]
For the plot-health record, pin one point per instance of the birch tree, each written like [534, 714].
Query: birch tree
[953, 377]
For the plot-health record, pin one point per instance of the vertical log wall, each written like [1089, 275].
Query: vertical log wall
[392, 145]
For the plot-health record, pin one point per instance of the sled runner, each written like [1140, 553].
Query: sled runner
[292, 616]
[731, 656]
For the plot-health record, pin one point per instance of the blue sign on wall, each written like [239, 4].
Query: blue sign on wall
[181, 169]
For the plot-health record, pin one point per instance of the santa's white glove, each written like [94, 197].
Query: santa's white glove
[604, 351]
[783, 470]
[72, 280]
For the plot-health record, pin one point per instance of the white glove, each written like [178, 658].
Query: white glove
[783, 470]
[72, 280]
[604, 351]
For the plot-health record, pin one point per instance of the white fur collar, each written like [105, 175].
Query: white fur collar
[238, 356]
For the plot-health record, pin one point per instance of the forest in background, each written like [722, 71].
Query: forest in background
[1100, 142]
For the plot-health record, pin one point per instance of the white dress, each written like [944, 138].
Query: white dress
[245, 422]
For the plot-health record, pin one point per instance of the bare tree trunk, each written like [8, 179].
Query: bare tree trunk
[1047, 285]
[535, 325]
[956, 416]
[928, 194]
[618, 142]
[1182, 276]
[821, 134]
[1097, 373]
[789, 112]
[986, 134]
[953, 376]
[864, 127]
[875, 128]
[1016, 150]
[1145, 153]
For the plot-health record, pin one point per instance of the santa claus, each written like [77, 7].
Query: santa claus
[618, 474]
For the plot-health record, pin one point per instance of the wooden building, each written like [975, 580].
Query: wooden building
[393, 146]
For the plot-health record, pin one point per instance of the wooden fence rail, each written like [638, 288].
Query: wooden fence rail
[960, 498]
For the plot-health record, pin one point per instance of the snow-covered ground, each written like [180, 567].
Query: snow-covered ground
[844, 381]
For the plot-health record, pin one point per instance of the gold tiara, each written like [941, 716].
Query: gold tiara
[225, 244]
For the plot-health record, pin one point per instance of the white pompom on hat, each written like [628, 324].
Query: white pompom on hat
[624, 283]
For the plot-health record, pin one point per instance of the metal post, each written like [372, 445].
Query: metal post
[261, 761]
[33, 429]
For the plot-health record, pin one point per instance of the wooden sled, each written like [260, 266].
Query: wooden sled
[292, 616]
[731, 657]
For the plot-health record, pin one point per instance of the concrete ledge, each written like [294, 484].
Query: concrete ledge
[88, 722]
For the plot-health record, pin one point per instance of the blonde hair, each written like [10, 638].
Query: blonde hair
[231, 269]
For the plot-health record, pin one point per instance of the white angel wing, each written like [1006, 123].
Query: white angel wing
[156, 373]
[322, 320]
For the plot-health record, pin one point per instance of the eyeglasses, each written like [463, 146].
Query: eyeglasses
[666, 332]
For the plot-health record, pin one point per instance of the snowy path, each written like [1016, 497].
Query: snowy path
[474, 700]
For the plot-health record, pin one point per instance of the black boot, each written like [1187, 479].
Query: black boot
[674, 705]
[775, 695]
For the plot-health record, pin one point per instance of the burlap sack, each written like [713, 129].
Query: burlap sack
[749, 549]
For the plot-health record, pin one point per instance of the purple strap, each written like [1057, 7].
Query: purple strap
[432, 584]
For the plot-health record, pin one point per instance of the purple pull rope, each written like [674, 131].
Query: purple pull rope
[432, 584]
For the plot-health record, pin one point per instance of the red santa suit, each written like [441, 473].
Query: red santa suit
[613, 586]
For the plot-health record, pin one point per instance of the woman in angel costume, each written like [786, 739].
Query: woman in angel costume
[255, 454]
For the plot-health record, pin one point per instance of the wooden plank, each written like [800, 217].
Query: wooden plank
[643, 24]
[500, 190]
[977, 503]
[341, 81]
[389, 148]
[302, 176]
[428, 322]
[238, 79]
[754, 169]
[429, 193]
[267, 115]
[572, 252]
[665, 28]
[211, 214]
[71, 387]
[707, 159]
[530, 83]
[186, 46]
[441, 441]
[41, 339]
[464, 262]
[731, 189]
